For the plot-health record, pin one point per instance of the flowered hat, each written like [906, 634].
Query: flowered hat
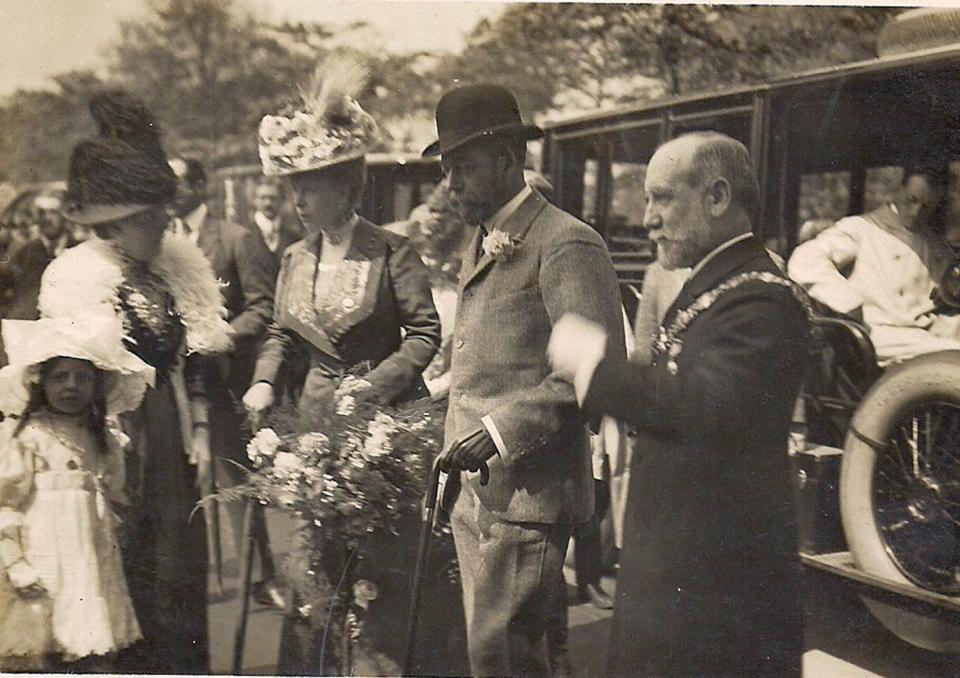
[331, 127]
[97, 337]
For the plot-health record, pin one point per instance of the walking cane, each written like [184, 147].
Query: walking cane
[423, 549]
[246, 570]
[212, 511]
[248, 543]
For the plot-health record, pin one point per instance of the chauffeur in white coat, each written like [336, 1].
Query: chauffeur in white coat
[509, 412]
[881, 268]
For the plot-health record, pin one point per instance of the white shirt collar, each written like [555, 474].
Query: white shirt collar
[55, 246]
[194, 221]
[505, 212]
[265, 222]
[730, 243]
[270, 229]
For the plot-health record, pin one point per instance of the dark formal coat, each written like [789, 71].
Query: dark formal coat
[290, 231]
[248, 272]
[376, 318]
[709, 575]
[382, 321]
[21, 278]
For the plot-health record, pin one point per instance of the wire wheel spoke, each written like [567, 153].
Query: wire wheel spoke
[917, 495]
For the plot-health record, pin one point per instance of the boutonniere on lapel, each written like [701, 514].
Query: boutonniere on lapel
[499, 245]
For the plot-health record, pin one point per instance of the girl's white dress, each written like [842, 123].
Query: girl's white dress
[57, 486]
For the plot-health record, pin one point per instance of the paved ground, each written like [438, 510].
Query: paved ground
[843, 640]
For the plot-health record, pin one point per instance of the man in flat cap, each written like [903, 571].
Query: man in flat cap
[515, 438]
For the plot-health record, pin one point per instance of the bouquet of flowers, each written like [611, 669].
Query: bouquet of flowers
[352, 472]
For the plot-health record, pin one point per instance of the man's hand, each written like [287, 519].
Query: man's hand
[574, 341]
[470, 452]
[257, 400]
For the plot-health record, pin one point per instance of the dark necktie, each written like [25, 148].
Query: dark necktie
[481, 234]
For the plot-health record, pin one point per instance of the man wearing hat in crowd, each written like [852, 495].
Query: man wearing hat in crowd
[515, 440]
[248, 272]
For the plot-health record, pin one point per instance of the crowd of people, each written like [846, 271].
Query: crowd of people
[144, 344]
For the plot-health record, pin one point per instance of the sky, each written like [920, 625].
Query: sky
[43, 38]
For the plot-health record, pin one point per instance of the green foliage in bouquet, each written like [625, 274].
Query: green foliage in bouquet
[350, 471]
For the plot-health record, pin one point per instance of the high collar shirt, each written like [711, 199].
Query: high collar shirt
[332, 253]
[717, 250]
[269, 228]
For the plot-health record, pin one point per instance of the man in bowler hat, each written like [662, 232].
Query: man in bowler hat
[515, 440]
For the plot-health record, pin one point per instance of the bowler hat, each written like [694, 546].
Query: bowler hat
[477, 111]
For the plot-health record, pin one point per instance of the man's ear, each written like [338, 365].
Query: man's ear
[718, 197]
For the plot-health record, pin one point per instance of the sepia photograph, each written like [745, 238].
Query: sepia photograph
[479, 338]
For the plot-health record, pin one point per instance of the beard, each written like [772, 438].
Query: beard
[685, 252]
[674, 254]
[473, 213]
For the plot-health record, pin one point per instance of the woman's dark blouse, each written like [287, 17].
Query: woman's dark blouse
[153, 324]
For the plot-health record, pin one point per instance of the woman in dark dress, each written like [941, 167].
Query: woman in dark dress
[163, 289]
[356, 300]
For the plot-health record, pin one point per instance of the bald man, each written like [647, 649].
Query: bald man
[709, 575]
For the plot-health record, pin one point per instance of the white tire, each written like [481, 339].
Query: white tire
[932, 380]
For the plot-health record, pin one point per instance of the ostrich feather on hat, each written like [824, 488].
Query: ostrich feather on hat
[330, 128]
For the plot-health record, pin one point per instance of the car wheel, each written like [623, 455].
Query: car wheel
[900, 490]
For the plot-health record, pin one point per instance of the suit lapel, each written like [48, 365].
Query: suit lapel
[469, 260]
[516, 226]
[293, 308]
[365, 258]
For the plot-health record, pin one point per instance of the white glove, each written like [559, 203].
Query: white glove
[22, 575]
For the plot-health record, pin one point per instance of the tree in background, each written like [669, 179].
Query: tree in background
[695, 47]
[210, 69]
[40, 128]
[571, 56]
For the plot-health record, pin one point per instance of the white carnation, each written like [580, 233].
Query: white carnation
[287, 462]
[309, 442]
[264, 444]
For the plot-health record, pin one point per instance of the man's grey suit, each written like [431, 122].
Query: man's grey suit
[511, 534]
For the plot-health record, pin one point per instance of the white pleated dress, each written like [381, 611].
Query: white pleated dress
[57, 486]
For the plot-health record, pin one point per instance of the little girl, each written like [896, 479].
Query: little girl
[63, 596]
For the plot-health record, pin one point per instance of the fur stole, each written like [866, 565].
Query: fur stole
[89, 275]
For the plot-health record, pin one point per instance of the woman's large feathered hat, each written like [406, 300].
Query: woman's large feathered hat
[330, 128]
[123, 170]
[97, 337]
